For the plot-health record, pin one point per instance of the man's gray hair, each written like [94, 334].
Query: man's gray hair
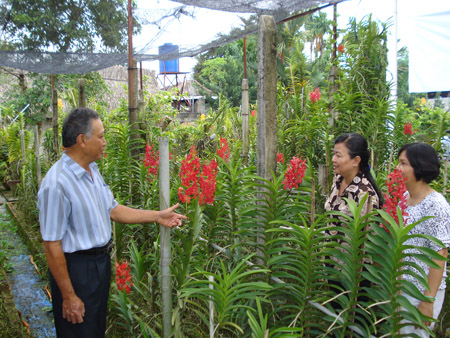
[79, 121]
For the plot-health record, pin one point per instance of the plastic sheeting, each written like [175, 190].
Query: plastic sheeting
[429, 51]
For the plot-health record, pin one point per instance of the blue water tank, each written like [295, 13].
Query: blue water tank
[170, 65]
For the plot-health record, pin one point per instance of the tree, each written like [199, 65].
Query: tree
[38, 95]
[67, 26]
[221, 70]
[291, 60]
[316, 27]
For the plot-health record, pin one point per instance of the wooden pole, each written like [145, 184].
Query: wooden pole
[267, 109]
[131, 65]
[81, 93]
[245, 57]
[55, 122]
[133, 109]
[333, 72]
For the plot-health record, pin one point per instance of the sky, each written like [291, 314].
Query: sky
[189, 32]
[209, 22]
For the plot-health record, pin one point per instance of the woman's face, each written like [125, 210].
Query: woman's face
[406, 168]
[342, 163]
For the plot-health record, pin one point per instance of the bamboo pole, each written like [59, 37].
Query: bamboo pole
[245, 123]
[444, 191]
[313, 201]
[165, 250]
[22, 138]
[37, 145]
[211, 309]
[245, 107]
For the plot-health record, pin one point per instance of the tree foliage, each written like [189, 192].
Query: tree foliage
[67, 26]
[221, 70]
[38, 93]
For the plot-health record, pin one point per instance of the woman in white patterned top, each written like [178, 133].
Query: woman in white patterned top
[420, 165]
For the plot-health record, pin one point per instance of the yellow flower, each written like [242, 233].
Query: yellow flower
[202, 117]
[423, 100]
[60, 103]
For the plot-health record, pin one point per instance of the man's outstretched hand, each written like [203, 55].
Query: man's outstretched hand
[169, 218]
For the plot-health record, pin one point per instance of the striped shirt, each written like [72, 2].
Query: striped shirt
[75, 207]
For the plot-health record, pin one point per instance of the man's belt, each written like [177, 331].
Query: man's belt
[102, 250]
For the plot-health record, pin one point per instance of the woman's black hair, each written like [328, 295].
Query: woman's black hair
[77, 122]
[423, 159]
[357, 146]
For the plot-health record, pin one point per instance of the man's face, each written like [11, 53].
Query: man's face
[95, 144]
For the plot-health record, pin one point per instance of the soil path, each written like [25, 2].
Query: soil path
[27, 286]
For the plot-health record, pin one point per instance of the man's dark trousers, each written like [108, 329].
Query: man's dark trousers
[91, 277]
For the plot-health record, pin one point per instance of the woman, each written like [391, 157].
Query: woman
[420, 164]
[352, 179]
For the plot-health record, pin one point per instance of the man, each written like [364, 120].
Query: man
[75, 212]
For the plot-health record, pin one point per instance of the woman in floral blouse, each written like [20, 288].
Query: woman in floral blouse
[352, 179]
[420, 165]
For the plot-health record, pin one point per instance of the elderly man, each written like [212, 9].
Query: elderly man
[75, 212]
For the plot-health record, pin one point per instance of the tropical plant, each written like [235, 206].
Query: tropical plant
[17, 141]
[255, 259]
[386, 271]
[227, 220]
[296, 260]
[135, 306]
[362, 102]
[232, 290]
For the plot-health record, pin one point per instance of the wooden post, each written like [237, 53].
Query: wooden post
[81, 93]
[133, 121]
[323, 179]
[333, 72]
[133, 108]
[55, 122]
[267, 106]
